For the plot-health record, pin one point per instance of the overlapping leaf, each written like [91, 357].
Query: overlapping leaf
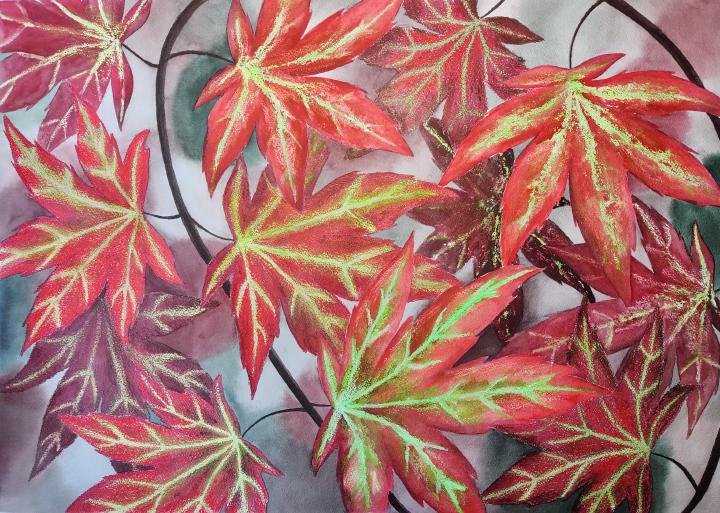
[198, 460]
[95, 237]
[71, 44]
[306, 261]
[454, 61]
[603, 446]
[680, 287]
[589, 130]
[270, 87]
[467, 225]
[395, 387]
[102, 374]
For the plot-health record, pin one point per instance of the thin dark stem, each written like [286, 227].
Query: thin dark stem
[143, 59]
[667, 43]
[280, 412]
[187, 220]
[707, 477]
[679, 465]
[577, 30]
[202, 54]
[173, 55]
[158, 216]
[493, 8]
[178, 216]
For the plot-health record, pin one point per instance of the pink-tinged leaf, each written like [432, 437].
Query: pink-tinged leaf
[197, 461]
[339, 38]
[77, 46]
[535, 186]
[602, 446]
[462, 56]
[305, 262]
[271, 88]
[96, 237]
[230, 126]
[602, 206]
[603, 138]
[680, 287]
[101, 374]
[390, 402]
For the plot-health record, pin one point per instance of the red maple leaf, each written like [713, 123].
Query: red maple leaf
[101, 374]
[589, 131]
[467, 226]
[680, 288]
[602, 446]
[396, 387]
[198, 460]
[306, 261]
[96, 237]
[270, 87]
[461, 55]
[76, 45]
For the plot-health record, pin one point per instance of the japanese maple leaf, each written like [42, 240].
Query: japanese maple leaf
[460, 55]
[467, 225]
[589, 131]
[95, 237]
[395, 387]
[307, 261]
[74, 45]
[271, 87]
[602, 446]
[197, 460]
[680, 287]
[103, 374]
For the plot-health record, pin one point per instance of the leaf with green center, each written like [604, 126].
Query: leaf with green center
[196, 460]
[74, 45]
[103, 374]
[602, 446]
[270, 87]
[96, 238]
[306, 261]
[454, 62]
[680, 287]
[589, 131]
[395, 387]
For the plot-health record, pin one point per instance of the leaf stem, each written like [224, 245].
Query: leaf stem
[279, 412]
[200, 53]
[707, 477]
[493, 9]
[178, 216]
[577, 29]
[193, 234]
[679, 465]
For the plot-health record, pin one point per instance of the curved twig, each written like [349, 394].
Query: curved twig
[707, 477]
[187, 220]
[577, 30]
[682, 468]
[667, 43]
[197, 223]
[200, 53]
[279, 412]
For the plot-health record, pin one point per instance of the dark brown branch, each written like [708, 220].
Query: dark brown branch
[493, 8]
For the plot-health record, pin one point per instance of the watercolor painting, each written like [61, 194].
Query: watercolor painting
[315, 256]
